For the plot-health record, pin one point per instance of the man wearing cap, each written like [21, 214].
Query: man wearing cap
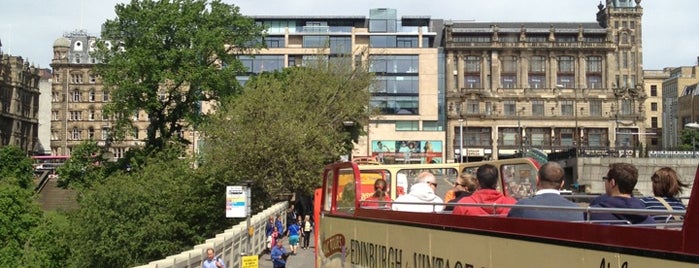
[421, 192]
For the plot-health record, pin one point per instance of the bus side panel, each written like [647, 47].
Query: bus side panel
[349, 242]
[317, 206]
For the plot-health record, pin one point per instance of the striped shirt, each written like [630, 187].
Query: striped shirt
[652, 203]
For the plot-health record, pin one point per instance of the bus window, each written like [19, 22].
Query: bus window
[520, 180]
[328, 191]
[368, 178]
[346, 190]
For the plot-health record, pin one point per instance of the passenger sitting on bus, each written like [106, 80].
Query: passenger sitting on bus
[467, 182]
[618, 185]
[667, 186]
[487, 176]
[380, 194]
[459, 186]
[549, 183]
[421, 192]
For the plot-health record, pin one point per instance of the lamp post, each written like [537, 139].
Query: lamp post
[461, 140]
[693, 126]
[519, 132]
[349, 145]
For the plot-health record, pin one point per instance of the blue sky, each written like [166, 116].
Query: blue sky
[670, 35]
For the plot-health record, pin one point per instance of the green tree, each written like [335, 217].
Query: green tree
[16, 166]
[133, 218]
[20, 214]
[689, 138]
[286, 126]
[169, 56]
[49, 242]
[84, 168]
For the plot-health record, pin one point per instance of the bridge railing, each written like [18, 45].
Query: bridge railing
[230, 245]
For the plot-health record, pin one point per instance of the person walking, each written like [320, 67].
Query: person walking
[212, 261]
[307, 228]
[279, 255]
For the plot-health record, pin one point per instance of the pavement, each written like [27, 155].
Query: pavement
[304, 258]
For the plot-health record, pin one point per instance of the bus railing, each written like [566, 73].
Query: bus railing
[587, 210]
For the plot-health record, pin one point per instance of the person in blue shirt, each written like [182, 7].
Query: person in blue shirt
[548, 183]
[279, 255]
[618, 185]
[294, 231]
[280, 225]
[212, 261]
[667, 187]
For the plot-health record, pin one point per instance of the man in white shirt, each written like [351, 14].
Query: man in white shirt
[423, 191]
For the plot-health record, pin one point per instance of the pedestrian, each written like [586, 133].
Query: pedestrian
[293, 231]
[212, 261]
[280, 226]
[307, 228]
[279, 255]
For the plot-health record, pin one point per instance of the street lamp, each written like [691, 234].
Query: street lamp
[693, 126]
[461, 140]
[519, 132]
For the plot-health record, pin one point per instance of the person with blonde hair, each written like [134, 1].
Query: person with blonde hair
[667, 187]
[466, 182]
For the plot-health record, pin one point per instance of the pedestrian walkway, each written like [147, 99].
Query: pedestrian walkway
[302, 259]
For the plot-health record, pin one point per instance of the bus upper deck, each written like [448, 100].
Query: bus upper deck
[411, 239]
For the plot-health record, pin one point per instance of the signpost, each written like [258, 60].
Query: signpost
[238, 199]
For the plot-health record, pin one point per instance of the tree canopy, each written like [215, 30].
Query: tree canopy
[287, 125]
[166, 57]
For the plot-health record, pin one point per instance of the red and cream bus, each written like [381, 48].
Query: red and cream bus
[350, 235]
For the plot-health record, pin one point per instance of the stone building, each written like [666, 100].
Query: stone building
[678, 100]
[78, 99]
[653, 85]
[19, 103]
[574, 87]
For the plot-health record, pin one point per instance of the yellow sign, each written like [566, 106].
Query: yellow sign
[249, 262]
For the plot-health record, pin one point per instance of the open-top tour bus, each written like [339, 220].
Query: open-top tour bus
[349, 234]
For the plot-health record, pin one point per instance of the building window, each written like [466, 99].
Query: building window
[538, 107]
[54, 115]
[75, 115]
[135, 133]
[509, 107]
[537, 72]
[54, 135]
[654, 106]
[76, 78]
[91, 133]
[509, 72]
[473, 107]
[55, 96]
[105, 133]
[653, 90]
[654, 122]
[91, 95]
[566, 71]
[407, 125]
[431, 126]
[596, 107]
[76, 134]
[473, 64]
[76, 95]
[91, 115]
[567, 107]
[594, 72]
[274, 41]
[566, 137]
[105, 96]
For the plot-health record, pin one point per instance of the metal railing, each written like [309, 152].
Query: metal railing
[230, 245]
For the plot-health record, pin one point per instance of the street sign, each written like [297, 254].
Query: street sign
[249, 262]
[236, 202]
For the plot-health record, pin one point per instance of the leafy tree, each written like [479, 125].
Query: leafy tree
[15, 166]
[20, 214]
[84, 168]
[286, 126]
[133, 218]
[168, 57]
[689, 138]
[49, 243]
